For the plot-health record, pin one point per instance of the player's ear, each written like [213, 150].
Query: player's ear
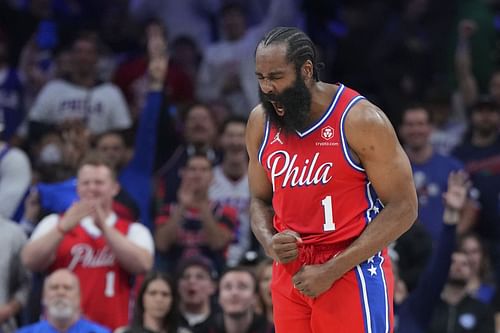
[307, 70]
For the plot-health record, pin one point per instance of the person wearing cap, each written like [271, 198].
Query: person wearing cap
[480, 153]
[196, 281]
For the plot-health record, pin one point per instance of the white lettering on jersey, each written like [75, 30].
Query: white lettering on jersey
[85, 255]
[282, 165]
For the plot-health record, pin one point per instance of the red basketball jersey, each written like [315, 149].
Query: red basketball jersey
[105, 286]
[319, 191]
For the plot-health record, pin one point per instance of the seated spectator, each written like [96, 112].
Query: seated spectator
[478, 286]
[457, 311]
[196, 285]
[100, 105]
[156, 307]
[61, 300]
[237, 298]
[14, 277]
[89, 239]
[199, 135]
[230, 184]
[194, 225]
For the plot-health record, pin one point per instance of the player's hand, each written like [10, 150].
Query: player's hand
[313, 280]
[285, 246]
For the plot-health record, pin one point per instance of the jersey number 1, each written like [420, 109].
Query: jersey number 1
[327, 209]
[109, 289]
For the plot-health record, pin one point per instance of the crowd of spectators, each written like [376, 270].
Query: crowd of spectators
[124, 199]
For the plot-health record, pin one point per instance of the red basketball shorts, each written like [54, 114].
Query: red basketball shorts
[359, 302]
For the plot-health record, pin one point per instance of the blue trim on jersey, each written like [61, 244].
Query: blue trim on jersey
[264, 141]
[326, 114]
[373, 293]
[345, 150]
[374, 203]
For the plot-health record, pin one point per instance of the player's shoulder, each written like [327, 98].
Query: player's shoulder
[256, 121]
[257, 115]
[366, 114]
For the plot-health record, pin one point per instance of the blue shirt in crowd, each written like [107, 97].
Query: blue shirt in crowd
[81, 326]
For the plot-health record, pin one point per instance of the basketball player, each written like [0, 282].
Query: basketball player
[331, 188]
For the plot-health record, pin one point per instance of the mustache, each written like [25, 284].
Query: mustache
[269, 97]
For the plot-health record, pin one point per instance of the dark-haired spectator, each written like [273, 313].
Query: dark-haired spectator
[430, 169]
[61, 299]
[237, 299]
[196, 283]
[230, 184]
[478, 285]
[199, 137]
[457, 311]
[83, 96]
[156, 309]
[480, 153]
[193, 224]
[103, 250]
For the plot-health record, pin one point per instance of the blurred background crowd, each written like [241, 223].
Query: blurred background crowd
[142, 106]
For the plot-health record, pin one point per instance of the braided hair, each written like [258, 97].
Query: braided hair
[299, 46]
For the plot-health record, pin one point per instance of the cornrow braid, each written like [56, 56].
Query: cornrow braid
[299, 46]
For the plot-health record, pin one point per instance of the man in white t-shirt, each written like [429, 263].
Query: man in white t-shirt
[100, 105]
[230, 184]
[104, 251]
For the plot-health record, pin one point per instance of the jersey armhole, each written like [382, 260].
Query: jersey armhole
[345, 147]
[264, 140]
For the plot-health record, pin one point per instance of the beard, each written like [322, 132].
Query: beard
[61, 310]
[296, 102]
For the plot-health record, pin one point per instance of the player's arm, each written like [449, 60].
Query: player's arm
[261, 212]
[371, 137]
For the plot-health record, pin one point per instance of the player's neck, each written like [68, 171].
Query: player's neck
[321, 97]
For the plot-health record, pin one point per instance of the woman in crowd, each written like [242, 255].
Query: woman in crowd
[156, 307]
[478, 285]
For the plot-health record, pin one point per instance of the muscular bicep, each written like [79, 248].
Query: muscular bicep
[260, 186]
[372, 138]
